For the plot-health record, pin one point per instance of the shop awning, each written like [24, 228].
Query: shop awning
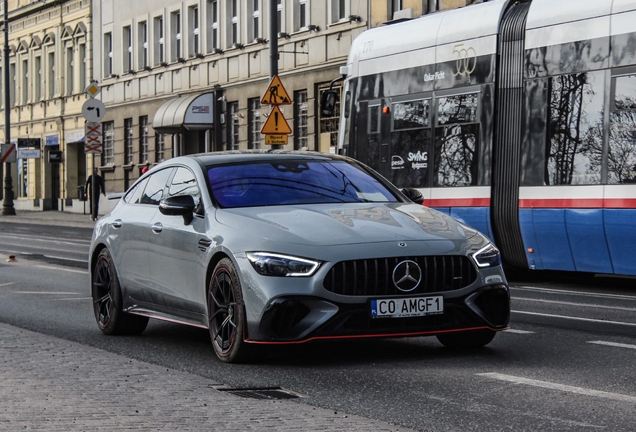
[190, 112]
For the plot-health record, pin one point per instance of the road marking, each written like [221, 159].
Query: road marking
[613, 344]
[575, 318]
[519, 331]
[575, 304]
[56, 240]
[8, 283]
[584, 294]
[63, 269]
[560, 387]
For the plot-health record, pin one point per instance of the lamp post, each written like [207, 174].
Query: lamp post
[7, 202]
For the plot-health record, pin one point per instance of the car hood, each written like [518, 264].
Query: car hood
[329, 224]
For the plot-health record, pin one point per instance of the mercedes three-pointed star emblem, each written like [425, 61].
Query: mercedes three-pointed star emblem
[407, 275]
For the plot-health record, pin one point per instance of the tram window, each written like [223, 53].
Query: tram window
[574, 147]
[622, 138]
[456, 155]
[457, 109]
[411, 114]
[374, 119]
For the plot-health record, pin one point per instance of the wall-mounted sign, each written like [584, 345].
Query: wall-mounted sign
[52, 140]
[28, 153]
[29, 142]
[55, 156]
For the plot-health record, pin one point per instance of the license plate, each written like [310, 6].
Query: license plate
[407, 307]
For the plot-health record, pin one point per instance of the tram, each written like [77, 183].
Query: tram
[516, 117]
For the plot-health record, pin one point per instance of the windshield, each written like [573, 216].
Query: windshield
[294, 182]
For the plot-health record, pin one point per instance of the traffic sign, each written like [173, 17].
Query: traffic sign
[276, 123]
[93, 110]
[92, 90]
[276, 139]
[276, 93]
[93, 138]
[8, 153]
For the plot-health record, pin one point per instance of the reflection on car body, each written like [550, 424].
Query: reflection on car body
[271, 247]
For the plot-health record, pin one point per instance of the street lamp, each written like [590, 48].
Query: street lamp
[7, 202]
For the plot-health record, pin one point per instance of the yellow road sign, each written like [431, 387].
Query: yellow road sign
[276, 139]
[276, 93]
[276, 123]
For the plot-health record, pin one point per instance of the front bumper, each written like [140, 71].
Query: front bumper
[296, 319]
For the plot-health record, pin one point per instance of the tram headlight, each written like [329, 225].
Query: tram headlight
[488, 256]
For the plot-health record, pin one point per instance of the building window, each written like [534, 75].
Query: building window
[25, 81]
[175, 26]
[70, 71]
[330, 124]
[108, 54]
[128, 54]
[279, 16]
[396, 5]
[302, 14]
[142, 29]
[160, 50]
[193, 17]
[256, 20]
[234, 22]
[143, 139]
[108, 153]
[82, 66]
[233, 128]
[301, 114]
[254, 121]
[12, 84]
[213, 22]
[37, 78]
[128, 141]
[339, 10]
[51, 75]
[23, 178]
[160, 146]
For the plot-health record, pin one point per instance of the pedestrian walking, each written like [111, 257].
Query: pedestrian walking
[99, 188]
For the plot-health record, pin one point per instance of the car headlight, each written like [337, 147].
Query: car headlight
[269, 264]
[487, 256]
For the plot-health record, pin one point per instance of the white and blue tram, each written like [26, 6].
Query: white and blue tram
[515, 117]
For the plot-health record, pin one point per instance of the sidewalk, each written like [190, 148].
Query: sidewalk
[52, 384]
[50, 217]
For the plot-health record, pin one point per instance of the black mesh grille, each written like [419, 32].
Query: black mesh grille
[374, 277]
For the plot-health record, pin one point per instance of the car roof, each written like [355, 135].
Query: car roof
[241, 156]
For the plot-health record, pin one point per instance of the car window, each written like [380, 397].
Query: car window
[184, 183]
[133, 195]
[295, 182]
[153, 193]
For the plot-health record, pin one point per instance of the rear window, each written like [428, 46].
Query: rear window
[294, 182]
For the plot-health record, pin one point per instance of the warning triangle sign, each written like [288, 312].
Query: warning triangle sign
[276, 123]
[276, 93]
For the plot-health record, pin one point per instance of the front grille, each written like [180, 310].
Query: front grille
[374, 277]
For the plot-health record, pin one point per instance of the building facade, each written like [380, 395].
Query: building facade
[176, 77]
[50, 49]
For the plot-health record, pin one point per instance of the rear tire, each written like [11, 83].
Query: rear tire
[107, 300]
[467, 339]
[226, 315]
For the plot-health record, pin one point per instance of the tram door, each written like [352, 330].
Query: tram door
[372, 136]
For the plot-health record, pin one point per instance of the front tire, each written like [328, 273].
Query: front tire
[226, 315]
[467, 339]
[107, 300]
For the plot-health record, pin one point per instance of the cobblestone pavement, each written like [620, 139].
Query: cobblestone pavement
[52, 384]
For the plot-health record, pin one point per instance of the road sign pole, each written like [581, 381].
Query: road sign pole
[94, 197]
[273, 44]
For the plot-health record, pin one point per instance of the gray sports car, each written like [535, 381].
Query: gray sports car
[272, 247]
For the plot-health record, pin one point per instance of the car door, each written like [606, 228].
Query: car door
[137, 232]
[176, 261]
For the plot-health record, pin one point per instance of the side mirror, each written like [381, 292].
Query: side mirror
[180, 205]
[328, 100]
[414, 195]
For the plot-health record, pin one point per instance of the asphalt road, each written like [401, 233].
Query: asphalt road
[567, 363]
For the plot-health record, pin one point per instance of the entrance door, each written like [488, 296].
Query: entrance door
[55, 186]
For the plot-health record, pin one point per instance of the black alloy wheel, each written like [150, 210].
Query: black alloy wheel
[226, 314]
[107, 301]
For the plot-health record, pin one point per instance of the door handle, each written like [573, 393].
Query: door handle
[157, 227]
[117, 223]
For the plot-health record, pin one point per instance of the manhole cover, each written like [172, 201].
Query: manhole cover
[261, 393]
